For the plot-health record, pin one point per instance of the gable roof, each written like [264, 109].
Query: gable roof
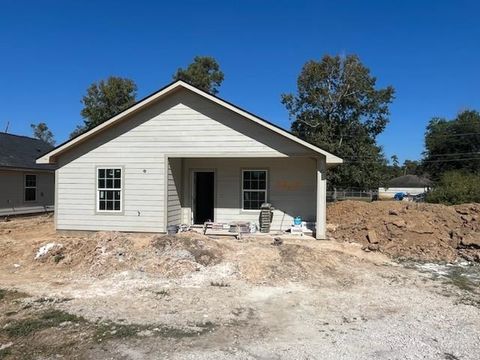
[410, 181]
[49, 157]
[20, 152]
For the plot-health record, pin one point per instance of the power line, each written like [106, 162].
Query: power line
[441, 135]
[424, 161]
[434, 155]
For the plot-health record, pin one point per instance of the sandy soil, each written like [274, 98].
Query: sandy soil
[118, 296]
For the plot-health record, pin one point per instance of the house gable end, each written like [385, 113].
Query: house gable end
[197, 100]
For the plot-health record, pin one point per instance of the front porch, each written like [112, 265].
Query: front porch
[226, 190]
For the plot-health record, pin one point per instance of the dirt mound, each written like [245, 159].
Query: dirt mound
[106, 252]
[31, 243]
[427, 232]
[191, 246]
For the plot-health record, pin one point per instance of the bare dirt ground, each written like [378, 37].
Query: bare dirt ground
[418, 231]
[124, 296]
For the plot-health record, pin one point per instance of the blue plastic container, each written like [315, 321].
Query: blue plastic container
[297, 220]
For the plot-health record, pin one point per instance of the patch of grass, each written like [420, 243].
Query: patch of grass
[4, 353]
[163, 292]
[48, 319]
[461, 282]
[51, 300]
[10, 294]
[108, 331]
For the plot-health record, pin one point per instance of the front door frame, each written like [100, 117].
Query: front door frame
[192, 192]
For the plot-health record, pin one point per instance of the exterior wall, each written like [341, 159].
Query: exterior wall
[174, 207]
[12, 184]
[389, 193]
[181, 125]
[291, 189]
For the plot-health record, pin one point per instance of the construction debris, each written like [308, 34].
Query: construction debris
[277, 241]
[47, 248]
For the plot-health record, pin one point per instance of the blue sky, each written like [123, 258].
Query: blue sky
[50, 51]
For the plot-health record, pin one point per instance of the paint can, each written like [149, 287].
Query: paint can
[172, 229]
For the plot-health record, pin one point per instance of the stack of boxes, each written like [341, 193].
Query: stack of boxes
[266, 212]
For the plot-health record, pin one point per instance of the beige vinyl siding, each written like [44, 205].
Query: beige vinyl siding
[174, 209]
[12, 184]
[181, 125]
[291, 189]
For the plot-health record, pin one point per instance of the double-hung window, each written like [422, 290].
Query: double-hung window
[109, 189]
[30, 187]
[254, 189]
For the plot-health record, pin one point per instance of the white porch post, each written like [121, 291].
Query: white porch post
[321, 223]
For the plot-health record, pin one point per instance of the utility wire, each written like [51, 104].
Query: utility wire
[434, 155]
[425, 161]
[441, 135]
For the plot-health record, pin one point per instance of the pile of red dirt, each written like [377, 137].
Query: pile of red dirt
[427, 232]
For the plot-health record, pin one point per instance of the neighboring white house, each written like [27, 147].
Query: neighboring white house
[25, 187]
[408, 184]
[182, 155]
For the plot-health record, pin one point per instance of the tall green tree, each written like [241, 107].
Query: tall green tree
[204, 72]
[338, 107]
[394, 159]
[453, 145]
[42, 132]
[412, 167]
[105, 99]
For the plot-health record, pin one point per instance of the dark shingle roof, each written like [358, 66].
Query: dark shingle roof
[21, 152]
[409, 181]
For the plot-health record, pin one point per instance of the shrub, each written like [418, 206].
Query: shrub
[456, 187]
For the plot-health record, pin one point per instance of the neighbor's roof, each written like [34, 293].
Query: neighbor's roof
[20, 152]
[409, 181]
[50, 156]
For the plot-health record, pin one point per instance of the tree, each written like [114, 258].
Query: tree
[394, 159]
[204, 72]
[456, 187]
[452, 144]
[42, 132]
[79, 130]
[104, 100]
[338, 108]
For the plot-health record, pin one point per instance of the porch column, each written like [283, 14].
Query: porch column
[321, 223]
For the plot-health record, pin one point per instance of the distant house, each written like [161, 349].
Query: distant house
[184, 156]
[25, 186]
[408, 184]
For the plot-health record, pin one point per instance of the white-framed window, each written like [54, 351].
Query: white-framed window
[254, 189]
[30, 193]
[109, 189]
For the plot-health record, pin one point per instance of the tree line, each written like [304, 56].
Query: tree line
[337, 106]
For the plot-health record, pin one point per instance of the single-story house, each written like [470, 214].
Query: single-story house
[25, 186]
[408, 184]
[184, 156]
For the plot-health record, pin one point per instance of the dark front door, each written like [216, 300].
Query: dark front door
[204, 194]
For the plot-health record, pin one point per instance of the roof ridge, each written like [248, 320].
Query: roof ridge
[24, 136]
